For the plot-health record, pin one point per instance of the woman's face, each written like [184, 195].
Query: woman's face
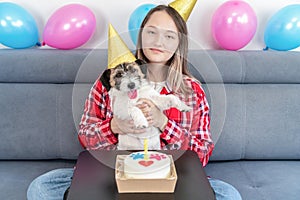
[160, 38]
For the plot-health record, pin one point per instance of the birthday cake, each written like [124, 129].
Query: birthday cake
[154, 165]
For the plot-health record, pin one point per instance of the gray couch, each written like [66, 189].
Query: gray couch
[255, 110]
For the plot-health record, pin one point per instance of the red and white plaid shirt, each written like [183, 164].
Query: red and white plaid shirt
[184, 130]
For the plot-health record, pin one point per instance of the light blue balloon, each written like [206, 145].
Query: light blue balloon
[18, 28]
[283, 29]
[136, 19]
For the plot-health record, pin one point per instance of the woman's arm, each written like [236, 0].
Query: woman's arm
[94, 128]
[191, 130]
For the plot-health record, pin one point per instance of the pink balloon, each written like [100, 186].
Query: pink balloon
[69, 27]
[234, 24]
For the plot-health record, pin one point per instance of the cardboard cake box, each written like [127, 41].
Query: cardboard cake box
[129, 185]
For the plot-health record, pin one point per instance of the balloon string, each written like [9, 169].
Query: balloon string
[266, 48]
[38, 44]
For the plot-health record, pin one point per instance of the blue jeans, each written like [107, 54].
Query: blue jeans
[52, 186]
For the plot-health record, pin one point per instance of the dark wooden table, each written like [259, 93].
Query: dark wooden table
[94, 178]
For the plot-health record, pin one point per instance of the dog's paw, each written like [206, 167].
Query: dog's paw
[141, 123]
[141, 126]
[184, 108]
[180, 105]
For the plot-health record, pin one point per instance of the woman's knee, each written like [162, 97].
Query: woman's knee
[224, 190]
[35, 189]
[50, 185]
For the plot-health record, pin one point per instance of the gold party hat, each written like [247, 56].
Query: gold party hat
[183, 7]
[118, 51]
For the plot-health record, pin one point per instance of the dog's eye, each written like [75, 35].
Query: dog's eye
[119, 75]
[132, 69]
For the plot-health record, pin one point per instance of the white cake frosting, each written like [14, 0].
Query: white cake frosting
[157, 165]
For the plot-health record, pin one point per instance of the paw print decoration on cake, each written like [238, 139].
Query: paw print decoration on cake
[149, 165]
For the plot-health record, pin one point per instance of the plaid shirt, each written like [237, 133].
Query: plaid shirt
[184, 130]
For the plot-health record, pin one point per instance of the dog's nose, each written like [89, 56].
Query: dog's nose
[131, 85]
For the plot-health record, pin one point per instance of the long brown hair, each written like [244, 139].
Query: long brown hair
[177, 63]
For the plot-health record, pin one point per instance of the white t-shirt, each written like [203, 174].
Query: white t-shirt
[158, 86]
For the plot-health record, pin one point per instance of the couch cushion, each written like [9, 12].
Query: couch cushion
[245, 66]
[260, 180]
[37, 122]
[40, 66]
[261, 122]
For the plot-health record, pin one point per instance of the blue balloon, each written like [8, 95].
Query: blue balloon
[18, 28]
[283, 29]
[136, 19]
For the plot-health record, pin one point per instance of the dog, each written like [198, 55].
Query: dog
[126, 84]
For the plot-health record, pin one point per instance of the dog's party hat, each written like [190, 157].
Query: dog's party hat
[183, 7]
[118, 51]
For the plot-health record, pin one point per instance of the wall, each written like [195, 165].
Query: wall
[118, 12]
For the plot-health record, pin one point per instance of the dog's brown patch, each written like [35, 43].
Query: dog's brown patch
[117, 73]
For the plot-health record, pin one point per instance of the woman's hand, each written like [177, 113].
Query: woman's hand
[152, 113]
[119, 126]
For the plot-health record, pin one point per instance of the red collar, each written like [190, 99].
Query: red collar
[166, 90]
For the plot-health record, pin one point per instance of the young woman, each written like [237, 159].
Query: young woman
[163, 44]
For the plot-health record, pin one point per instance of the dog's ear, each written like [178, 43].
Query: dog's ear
[140, 62]
[105, 78]
[143, 65]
